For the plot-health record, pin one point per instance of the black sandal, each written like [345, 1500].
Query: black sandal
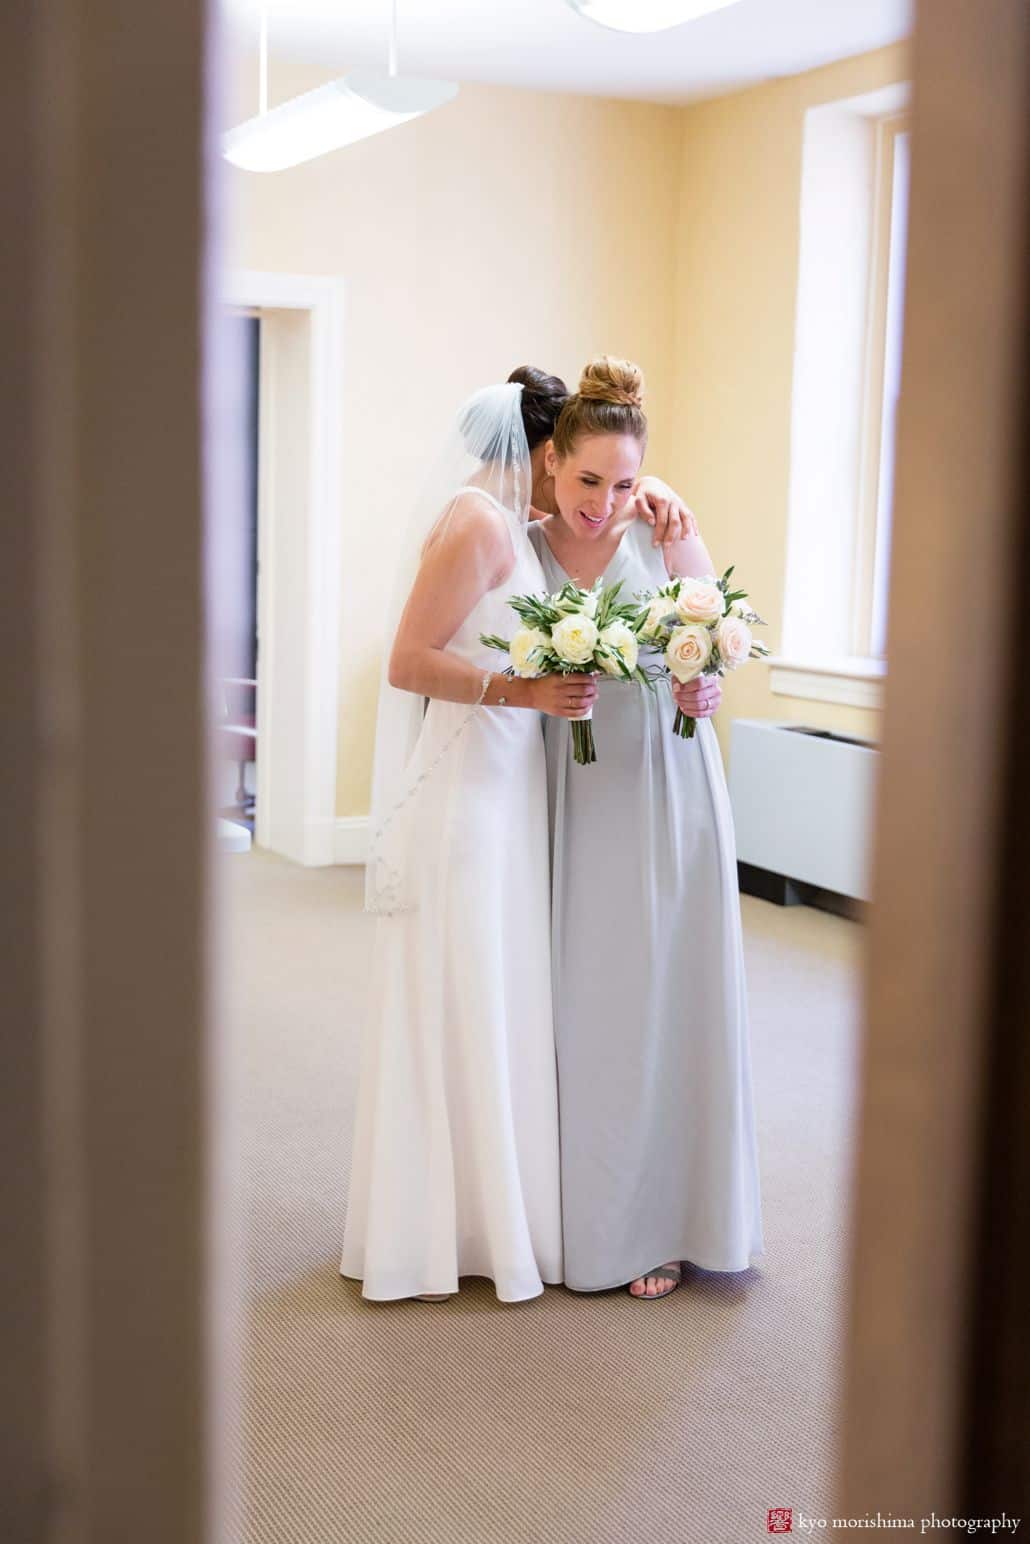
[672, 1270]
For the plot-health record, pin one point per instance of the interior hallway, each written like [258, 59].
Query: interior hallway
[568, 1419]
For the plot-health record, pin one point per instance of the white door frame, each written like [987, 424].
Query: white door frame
[295, 814]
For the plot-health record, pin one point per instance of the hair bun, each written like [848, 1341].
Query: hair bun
[539, 383]
[543, 397]
[613, 380]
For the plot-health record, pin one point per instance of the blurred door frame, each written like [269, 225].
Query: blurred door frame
[937, 1382]
[116, 1420]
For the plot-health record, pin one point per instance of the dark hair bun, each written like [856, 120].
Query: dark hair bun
[543, 397]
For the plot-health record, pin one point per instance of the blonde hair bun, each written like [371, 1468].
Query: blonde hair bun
[613, 380]
[609, 401]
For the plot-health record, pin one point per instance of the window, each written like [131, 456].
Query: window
[887, 303]
[847, 374]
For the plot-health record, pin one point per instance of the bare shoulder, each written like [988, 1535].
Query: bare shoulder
[473, 528]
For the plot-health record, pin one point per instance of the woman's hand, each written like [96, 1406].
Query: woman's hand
[698, 698]
[654, 501]
[564, 696]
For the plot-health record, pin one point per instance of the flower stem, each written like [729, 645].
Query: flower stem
[583, 741]
[684, 726]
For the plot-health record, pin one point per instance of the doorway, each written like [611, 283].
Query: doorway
[237, 740]
[292, 633]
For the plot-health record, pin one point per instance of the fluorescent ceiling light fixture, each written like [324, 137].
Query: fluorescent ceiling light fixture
[345, 110]
[331, 116]
[646, 15]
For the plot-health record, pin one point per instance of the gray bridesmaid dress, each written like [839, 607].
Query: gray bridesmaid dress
[658, 1153]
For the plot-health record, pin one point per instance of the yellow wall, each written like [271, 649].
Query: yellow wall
[514, 227]
[737, 267]
[509, 227]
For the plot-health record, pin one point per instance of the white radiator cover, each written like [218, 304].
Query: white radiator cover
[803, 806]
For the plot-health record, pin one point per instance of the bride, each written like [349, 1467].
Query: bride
[455, 1167]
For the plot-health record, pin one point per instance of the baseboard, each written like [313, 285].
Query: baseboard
[350, 839]
[784, 891]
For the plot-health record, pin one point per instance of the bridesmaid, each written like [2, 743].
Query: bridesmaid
[652, 500]
[658, 1152]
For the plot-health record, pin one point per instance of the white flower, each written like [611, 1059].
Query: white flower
[574, 639]
[589, 607]
[661, 607]
[623, 641]
[700, 600]
[523, 647]
[688, 652]
[734, 640]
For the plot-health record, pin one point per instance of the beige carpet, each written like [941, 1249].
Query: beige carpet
[570, 1420]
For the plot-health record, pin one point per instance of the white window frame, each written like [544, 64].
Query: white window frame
[853, 673]
[872, 530]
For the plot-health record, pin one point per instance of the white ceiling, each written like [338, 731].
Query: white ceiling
[543, 43]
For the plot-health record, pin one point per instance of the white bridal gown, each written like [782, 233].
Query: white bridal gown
[455, 1167]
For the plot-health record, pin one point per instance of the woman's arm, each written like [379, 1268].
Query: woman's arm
[688, 558]
[473, 555]
[663, 509]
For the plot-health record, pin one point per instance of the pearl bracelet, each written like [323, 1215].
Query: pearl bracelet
[501, 701]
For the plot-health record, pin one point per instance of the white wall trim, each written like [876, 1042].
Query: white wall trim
[295, 813]
[852, 682]
[895, 98]
[350, 839]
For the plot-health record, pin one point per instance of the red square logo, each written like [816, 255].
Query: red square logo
[779, 1519]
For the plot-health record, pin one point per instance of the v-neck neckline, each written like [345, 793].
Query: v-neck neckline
[579, 583]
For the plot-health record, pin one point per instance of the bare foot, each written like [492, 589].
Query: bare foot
[659, 1283]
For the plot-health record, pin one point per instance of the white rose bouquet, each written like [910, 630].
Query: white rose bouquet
[575, 632]
[700, 627]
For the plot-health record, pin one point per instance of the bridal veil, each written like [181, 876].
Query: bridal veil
[487, 454]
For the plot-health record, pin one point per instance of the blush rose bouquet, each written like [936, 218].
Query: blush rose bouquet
[700, 626]
[574, 632]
